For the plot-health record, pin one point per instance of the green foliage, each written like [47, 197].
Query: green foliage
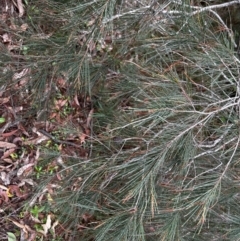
[35, 211]
[164, 81]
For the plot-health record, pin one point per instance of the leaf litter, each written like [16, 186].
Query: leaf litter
[24, 137]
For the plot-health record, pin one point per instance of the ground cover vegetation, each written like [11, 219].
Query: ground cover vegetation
[119, 120]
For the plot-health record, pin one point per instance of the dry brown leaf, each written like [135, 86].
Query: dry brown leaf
[61, 82]
[24, 72]
[82, 39]
[87, 218]
[28, 181]
[47, 225]
[9, 133]
[14, 189]
[24, 27]
[8, 145]
[21, 127]
[11, 47]
[4, 100]
[25, 168]
[17, 140]
[32, 237]
[91, 22]
[7, 160]
[89, 118]
[39, 196]
[17, 109]
[23, 77]
[91, 45]
[3, 17]
[13, 25]
[52, 115]
[82, 138]
[5, 177]
[3, 187]
[23, 227]
[58, 175]
[4, 195]
[60, 103]
[7, 153]
[37, 154]
[60, 162]
[6, 38]
[20, 8]
[53, 228]
[35, 219]
[76, 100]
[36, 141]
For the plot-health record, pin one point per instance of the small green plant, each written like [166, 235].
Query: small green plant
[14, 155]
[52, 169]
[39, 171]
[36, 210]
[164, 140]
[25, 50]
[66, 110]
[38, 227]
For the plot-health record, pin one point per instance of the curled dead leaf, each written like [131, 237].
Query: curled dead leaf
[15, 190]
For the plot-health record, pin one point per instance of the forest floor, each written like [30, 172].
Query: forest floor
[25, 137]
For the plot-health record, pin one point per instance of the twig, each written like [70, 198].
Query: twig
[214, 143]
[123, 14]
[59, 141]
[210, 152]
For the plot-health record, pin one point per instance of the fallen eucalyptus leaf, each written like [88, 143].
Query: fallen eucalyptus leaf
[2, 120]
[11, 237]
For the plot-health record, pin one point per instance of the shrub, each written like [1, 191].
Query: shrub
[163, 79]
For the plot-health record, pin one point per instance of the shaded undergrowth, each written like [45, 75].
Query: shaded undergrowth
[163, 81]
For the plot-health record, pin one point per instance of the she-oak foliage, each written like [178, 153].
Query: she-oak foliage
[163, 77]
